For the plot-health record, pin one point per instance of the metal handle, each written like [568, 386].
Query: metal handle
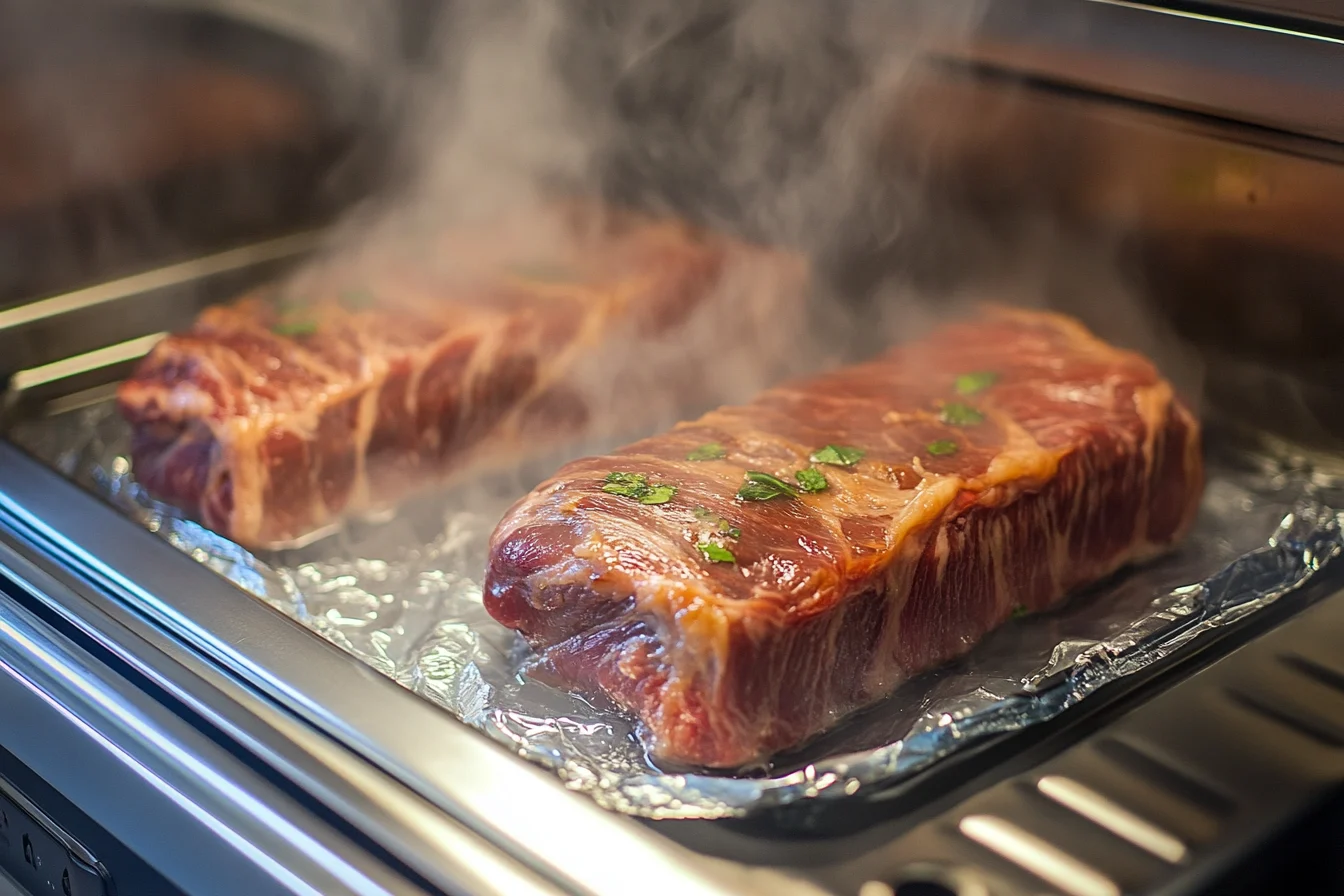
[200, 816]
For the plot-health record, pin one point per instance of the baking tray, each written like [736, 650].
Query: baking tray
[60, 389]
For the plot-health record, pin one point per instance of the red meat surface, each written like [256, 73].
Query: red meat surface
[275, 418]
[1007, 461]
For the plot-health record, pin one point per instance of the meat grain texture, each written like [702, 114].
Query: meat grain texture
[1007, 461]
[277, 417]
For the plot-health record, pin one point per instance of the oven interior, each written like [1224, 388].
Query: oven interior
[1225, 233]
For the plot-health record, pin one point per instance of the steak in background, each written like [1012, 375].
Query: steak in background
[744, 581]
[277, 417]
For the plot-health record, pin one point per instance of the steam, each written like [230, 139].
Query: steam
[766, 121]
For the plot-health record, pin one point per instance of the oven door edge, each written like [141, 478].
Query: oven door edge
[200, 817]
[371, 751]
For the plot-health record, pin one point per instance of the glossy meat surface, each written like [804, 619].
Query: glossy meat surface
[276, 417]
[1006, 461]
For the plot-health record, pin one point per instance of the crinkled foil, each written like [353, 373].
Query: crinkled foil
[404, 596]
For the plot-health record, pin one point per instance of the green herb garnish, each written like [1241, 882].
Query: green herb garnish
[811, 480]
[627, 485]
[837, 455]
[716, 553]
[1019, 611]
[705, 515]
[764, 487]
[942, 448]
[636, 486]
[708, 451]
[296, 327]
[658, 494]
[973, 383]
[961, 415]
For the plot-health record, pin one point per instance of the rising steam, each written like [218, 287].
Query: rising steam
[764, 120]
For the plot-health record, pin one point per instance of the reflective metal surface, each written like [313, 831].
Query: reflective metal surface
[202, 813]
[1171, 798]
[1192, 204]
[422, 836]
[519, 808]
[404, 597]
[1190, 57]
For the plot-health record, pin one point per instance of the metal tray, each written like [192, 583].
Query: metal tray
[310, 712]
[329, 689]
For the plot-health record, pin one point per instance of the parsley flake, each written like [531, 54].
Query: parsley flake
[942, 448]
[627, 485]
[636, 487]
[764, 487]
[811, 480]
[974, 383]
[958, 414]
[658, 494]
[708, 451]
[1019, 611]
[837, 455]
[715, 553]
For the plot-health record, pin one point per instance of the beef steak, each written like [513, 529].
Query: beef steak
[276, 417]
[742, 582]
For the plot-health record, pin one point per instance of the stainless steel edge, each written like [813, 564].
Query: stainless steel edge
[442, 851]
[1284, 78]
[180, 274]
[59, 328]
[520, 808]
[200, 817]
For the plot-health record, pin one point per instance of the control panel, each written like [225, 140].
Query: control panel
[40, 856]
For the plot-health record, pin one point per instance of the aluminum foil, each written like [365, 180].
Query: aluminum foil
[404, 596]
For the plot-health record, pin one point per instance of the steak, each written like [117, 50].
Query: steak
[278, 416]
[744, 581]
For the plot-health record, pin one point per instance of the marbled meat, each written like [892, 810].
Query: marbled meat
[744, 581]
[273, 419]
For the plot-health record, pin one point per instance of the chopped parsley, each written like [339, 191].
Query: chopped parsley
[811, 480]
[974, 383]
[708, 451]
[942, 448]
[705, 515]
[764, 487]
[716, 553]
[295, 327]
[837, 456]
[1019, 611]
[627, 485]
[636, 487]
[958, 414]
[658, 494]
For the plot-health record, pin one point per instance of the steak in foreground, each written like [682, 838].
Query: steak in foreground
[744, 581]
[276, 417]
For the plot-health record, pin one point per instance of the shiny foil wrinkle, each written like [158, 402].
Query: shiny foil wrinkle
[403, 595]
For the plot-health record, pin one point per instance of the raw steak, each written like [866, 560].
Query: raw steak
[997, 465]
[272, 419]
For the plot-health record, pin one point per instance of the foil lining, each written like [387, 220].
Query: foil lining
[404, 597]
